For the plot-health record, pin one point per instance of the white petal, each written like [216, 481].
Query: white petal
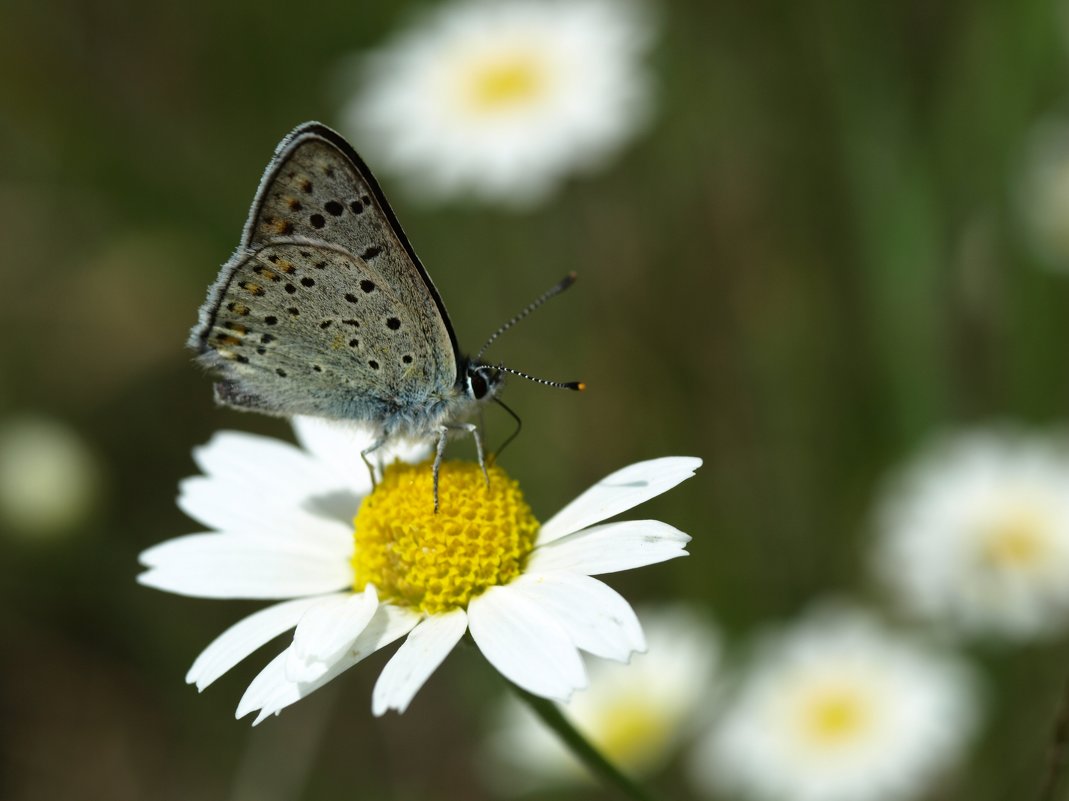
[236, 566]
[617, 493]
[525, 643]
[269, 512]
[271, 691]
[256, 483]
[418, 657]
[597, 618]
[410, 451]
[327, 631]
[244, 637]
[610, 548]
[339, 445]
[254, 459]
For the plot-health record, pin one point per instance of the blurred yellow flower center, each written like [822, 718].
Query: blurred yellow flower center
[1016, 542]
[633, 732]
[834, 715]
[504, 83]
[433, 563]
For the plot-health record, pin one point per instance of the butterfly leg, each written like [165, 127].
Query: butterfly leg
[443, 433]
[374, 446]
[443, 436]
[473, 429]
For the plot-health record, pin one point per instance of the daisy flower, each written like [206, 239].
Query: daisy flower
[975, 534]
[839, 708]
[283, 528]
[501, 99]
[636, 715]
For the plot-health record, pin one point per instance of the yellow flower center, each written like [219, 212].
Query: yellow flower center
[633, 732]
[834, 715]
[503, 83]
[1017, 542]
[435, 562]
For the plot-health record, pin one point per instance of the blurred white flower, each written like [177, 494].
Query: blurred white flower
[501, 99]
[975, 534]
[1042, 192]
[635, 714]
[839, 708]
[48, 477]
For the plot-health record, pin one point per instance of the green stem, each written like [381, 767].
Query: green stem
[586, 753]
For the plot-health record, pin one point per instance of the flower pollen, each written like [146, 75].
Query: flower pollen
[1017, 542]
[834, 715]
[501, 84]
[435, 562]
[632, 728]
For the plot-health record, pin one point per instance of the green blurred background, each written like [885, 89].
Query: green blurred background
[807, 265]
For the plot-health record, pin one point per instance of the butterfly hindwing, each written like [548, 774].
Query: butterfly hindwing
[303, 328]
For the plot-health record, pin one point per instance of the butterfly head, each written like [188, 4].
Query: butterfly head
[481, 381]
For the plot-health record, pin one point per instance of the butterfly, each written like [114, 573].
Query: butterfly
[325, 310]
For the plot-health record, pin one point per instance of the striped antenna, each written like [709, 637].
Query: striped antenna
[563, 284]
[578, 386]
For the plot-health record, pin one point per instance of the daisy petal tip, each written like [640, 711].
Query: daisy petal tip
[380, 706]
[566, 696]
[198, 680]
[246, 705]
[146, 557]
[673, 468]
[185, 486]
[690, 463]
[243, 710]
[149, 578]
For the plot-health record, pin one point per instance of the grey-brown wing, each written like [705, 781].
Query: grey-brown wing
[304, 328]
[319, 197]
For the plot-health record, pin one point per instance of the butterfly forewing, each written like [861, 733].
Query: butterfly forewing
[325, 310]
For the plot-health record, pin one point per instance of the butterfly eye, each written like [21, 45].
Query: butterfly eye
[478, 385]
